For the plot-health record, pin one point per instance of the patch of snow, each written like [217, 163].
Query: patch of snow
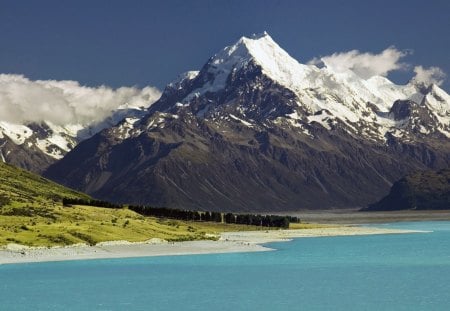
[59, 141]
[159, 119]
[242, 121]
[383, 92]
[1, 152]
[294, 123]
[181, 105]
[322, 119]
[275, 63]
[360, 105]
[355, 101]
[438, 102]
[47, 147]
[62, 136]
[189, 75]
[131, 121]
[151, 125]
[423, 130]
[300, 126]
[294, 115]
[127, 129]
[16, 132]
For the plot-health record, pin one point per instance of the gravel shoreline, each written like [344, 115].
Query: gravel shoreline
[229, 242]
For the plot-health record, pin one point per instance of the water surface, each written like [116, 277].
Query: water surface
[379, 272]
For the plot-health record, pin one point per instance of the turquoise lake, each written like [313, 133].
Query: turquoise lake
[379, 272]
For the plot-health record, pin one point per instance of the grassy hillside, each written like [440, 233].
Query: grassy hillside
[48, 226]
[21, 188]
[31, 213]
[426, 190]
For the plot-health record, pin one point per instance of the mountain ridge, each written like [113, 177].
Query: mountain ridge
[233, 137]
[35, 146]
[424, 190]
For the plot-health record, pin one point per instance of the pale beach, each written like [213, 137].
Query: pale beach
[229, 242]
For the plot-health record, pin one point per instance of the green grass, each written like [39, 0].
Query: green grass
[31, 213]
[19, 188]
[50, 226]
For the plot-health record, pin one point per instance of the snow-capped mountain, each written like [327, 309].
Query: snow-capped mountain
[362, 107]
[34, 146]
[256, 130]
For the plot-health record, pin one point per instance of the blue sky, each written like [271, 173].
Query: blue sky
[143, 43]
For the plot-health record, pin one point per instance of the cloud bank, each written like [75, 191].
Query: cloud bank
[65, 102]
[365, 65]
[429, 75]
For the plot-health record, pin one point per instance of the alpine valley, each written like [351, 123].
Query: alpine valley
[255, 130]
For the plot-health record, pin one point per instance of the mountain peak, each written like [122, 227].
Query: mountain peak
[245, 49]
[257, 36]
[259, 47]
[255, 121]
[258, 40]
[263, 51]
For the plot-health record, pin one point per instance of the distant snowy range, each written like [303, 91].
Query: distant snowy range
[40, 121]
[252, 130]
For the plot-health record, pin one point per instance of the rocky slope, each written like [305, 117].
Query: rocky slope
[425, 190]
[34, 146]
[256, 130]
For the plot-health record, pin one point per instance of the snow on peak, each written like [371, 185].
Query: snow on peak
[260, 49]
[439, 102]
[345, 95]
[379, 81]
[440, 93]
[257, 36]
[264, 51]
[189, 75]
[16, 132]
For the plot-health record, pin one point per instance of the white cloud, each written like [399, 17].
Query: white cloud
[65, 102]
[365, 65]
[429, 75]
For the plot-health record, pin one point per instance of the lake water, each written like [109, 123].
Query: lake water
[384, 272]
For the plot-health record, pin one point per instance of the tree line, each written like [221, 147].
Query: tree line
[179, 214]
[229, 218]
[98, 203]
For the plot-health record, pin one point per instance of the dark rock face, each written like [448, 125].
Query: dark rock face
[426, 190]
[31, 159]
[235, 148]
[28, 155]
[204, 162]
[200, 168]
[403, 109]
[34, 146]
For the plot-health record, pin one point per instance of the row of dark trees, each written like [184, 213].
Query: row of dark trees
[164, 212]
[229, 218]
[97, 203]
[260, 220]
